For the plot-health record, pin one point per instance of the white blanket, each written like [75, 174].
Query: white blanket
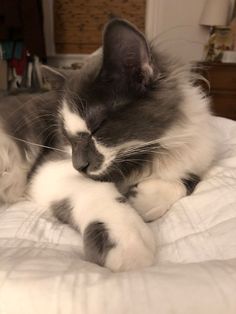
[43, 271]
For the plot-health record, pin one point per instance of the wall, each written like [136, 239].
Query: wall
[175, 25]
[79, 23]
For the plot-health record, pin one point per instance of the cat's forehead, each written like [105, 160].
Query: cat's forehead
[72, 121]
[78, 111]
[81, 80]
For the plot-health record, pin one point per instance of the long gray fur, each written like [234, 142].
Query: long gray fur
[97, 243]
[62, 210]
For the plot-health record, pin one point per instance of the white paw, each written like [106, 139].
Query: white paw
[134, 249]
[124, 245]
[152, 198]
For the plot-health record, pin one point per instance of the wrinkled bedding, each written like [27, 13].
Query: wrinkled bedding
[43, 270]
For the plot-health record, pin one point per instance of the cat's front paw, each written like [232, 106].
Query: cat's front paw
[153, 197]
[125, 247]
[134, 249]
[149, 200]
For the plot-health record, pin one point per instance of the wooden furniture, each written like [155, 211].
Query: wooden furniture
[222, 79]
[79, 23]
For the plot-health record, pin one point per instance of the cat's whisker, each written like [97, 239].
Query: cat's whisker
[145, 149]
[114, 166]
[36, 144]
[32, 119]
[24, 104]
[159, 153]
[159, 143]
[82, 102]
[140, 150]
[135, 161]
[49, 133]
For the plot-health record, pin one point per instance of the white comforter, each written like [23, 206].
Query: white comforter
[43, 271]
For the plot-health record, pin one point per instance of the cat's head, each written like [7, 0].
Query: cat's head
[116, 107]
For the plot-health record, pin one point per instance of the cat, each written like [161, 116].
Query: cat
[113, 146]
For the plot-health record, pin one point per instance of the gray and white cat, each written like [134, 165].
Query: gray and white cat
[125, 137]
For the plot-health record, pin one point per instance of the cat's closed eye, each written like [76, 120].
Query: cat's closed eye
[97, 125]
[95, 118]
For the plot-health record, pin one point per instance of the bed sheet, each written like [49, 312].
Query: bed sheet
[43, 270]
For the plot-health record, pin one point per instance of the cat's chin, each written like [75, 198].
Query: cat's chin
[114, 176]
[101, 177]
[109, 177]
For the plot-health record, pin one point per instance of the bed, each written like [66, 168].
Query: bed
[43, 270]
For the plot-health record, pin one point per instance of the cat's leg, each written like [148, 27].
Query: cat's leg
[153, 197]
[114, 234]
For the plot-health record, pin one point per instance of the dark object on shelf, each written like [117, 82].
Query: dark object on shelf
[3, 75]
[222, 80]
[23, 20]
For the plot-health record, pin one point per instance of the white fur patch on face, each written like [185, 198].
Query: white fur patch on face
[73, 123]
[110, 153]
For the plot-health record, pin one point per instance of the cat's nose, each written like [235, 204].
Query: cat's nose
[82, 167]
[85, 157]
[81, 164]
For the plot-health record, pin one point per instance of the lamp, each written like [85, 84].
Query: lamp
[215, 15]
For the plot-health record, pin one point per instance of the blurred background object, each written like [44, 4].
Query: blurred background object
[63, 32]
[219, 66]
[79, 23]
[21, 43]
[215, 15]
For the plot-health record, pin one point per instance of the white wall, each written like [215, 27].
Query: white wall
[175, 25]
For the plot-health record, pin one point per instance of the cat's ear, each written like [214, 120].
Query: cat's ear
[55, 77]
[126, 55]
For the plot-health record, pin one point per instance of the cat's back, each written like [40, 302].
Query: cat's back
[15, 107]
[24, 118]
